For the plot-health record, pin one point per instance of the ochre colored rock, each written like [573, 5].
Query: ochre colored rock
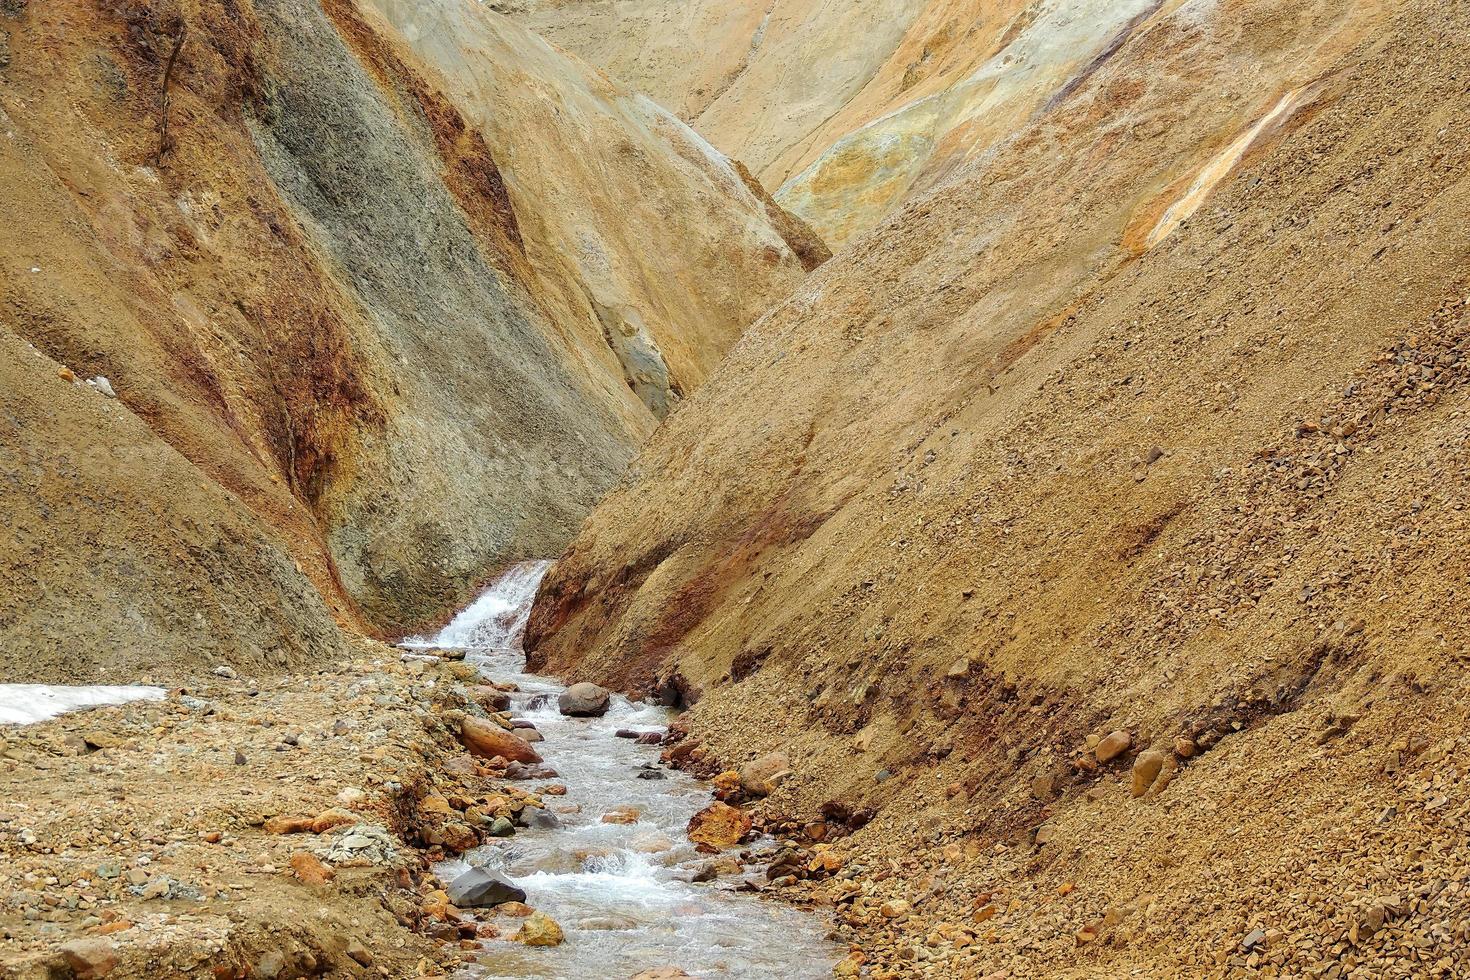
[539, 929]
[718, 826]
[621, 814]
[328, 819]
[89, 959]
[1146, 769]
[309, 868]
[760, 777]
[289, 825]
[489, 740]
[1113, 745]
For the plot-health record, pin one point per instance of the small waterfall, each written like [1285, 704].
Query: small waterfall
[497, 619]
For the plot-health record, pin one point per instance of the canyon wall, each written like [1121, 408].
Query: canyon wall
[381, 297]
[1150, 419]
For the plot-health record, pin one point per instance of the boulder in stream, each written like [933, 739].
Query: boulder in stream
[584, 700]
[718, 826]
[540, 930]
[483, 888]
[539, 819]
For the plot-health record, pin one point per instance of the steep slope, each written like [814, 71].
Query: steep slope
[1152, 420]
[851, 108]
[403, 310]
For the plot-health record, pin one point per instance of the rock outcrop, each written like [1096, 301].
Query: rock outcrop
[376, 297]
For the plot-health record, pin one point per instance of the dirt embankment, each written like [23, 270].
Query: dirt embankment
[243, 827]
[310, 263]
[998, 484]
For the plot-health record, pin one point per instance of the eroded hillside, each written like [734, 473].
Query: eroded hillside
[847, 110]
[1148, 420]
[386, 295]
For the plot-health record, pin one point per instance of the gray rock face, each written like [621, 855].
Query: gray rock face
[584, 701]
[483, 888]
[540, 819]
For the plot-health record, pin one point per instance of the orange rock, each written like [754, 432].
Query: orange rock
[66, 374]
[435, 804]
[1066, 889]
[540, 929]
[121, 925]
[488, 740]
[727, 781]
[328, 819]
[718, 826]
[826, 861]
[556, 789]
[621, 814]
[459, 838]
[289, 825]
[310, 869]
[213, 837]
[518, 909]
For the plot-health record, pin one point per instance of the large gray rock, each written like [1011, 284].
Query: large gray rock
[483, 888]
[584, 701]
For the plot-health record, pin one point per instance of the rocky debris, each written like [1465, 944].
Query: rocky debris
[361, 845]
[584, 700]
[539, 929]
[490, 741]
[158, 846]
[661, 973]
[483, 888]
[718, 826]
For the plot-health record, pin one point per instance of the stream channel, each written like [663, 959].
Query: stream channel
[621, 892]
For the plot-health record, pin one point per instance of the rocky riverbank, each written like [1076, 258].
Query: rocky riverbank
[239, 829]
[299, 826]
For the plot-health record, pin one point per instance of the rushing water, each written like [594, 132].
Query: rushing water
[621, 892]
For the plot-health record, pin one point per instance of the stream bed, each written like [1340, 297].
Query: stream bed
[621, 892]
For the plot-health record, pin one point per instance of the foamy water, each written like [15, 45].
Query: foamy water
[619, 891]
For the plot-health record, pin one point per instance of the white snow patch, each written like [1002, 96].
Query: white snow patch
[26, 704]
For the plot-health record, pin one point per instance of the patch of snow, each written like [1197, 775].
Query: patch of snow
[26, 704]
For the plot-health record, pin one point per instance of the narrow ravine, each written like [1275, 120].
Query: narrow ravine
[622, 892]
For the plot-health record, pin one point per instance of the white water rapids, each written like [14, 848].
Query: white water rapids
[621, 892]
